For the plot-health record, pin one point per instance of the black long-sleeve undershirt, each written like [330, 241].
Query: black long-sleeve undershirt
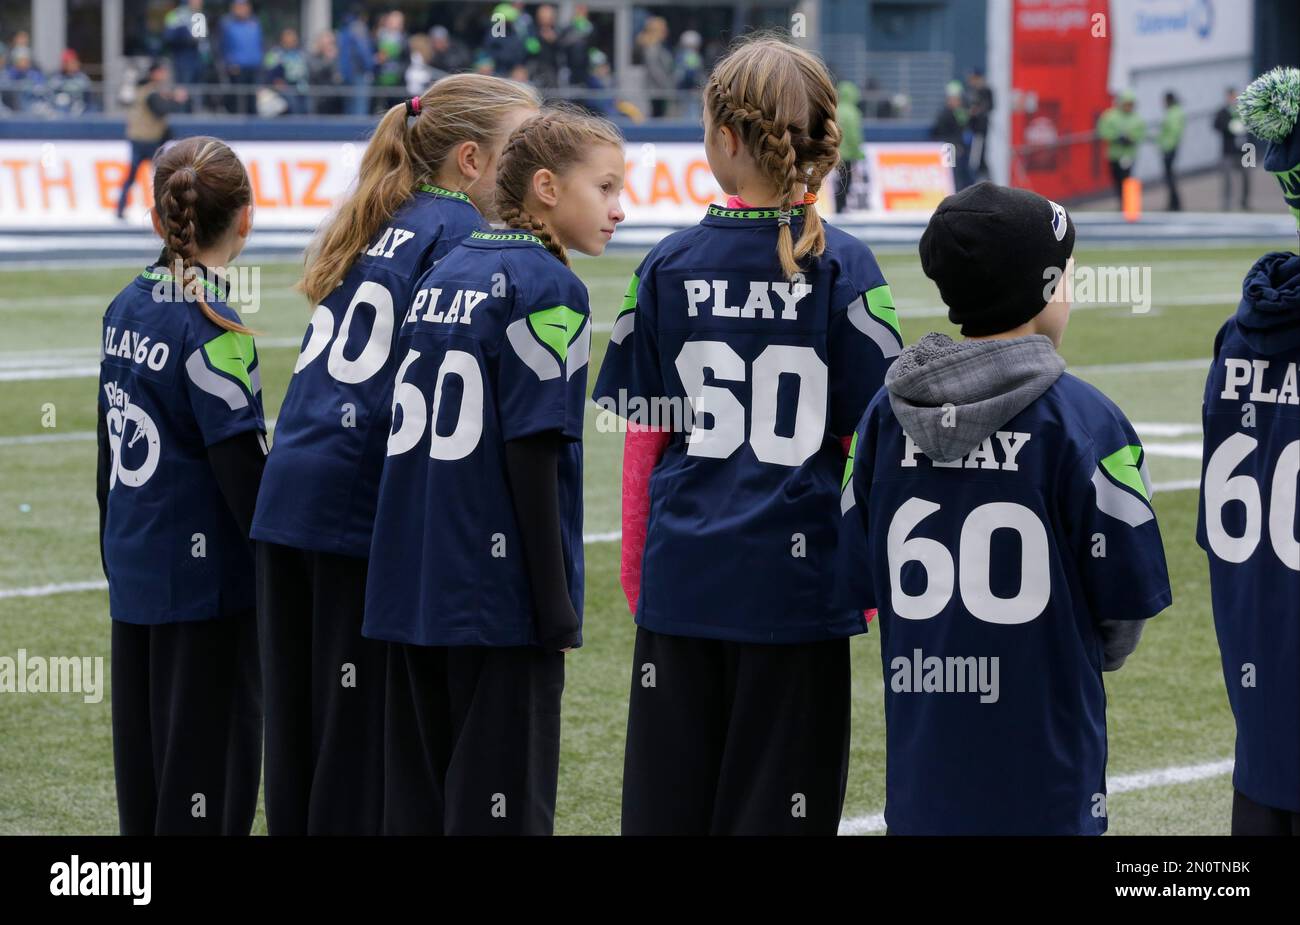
[532, 467]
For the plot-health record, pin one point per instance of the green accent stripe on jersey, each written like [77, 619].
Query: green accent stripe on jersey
[720, 212]
[1122, 466]
[506, 236]
[629, 297]
[232, 353]
[848, 463]
[556, 327]
[168, 278]
[880, 302]
[439, 191]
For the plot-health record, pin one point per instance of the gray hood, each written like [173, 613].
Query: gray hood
[949, 396]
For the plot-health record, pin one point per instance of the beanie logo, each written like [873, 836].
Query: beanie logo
[1059, 221]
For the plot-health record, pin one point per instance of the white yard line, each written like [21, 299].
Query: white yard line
[1125, 783]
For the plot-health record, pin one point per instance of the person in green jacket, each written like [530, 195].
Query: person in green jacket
[1123, 130]
[1171, 135]
[849, 117]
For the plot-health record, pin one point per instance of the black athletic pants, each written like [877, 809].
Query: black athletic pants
[729, 738]
[472, 745]
[324, 686]
[1251, 818]
[187, 726]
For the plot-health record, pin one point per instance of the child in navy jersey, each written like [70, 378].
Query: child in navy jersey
[997, 511]
[425, 182]
[768, 332]
[1247, 520]
[181, 450]
[477, 563]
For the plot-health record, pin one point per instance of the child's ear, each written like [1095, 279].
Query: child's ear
[470, 159]
[245, 221]
[730, 140]
[545, 189]
[157, 225]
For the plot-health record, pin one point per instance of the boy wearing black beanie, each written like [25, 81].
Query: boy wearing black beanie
[997, 512]
[1247, 516]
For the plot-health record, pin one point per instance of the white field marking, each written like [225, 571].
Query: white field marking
[48, 367]
[1232, 298]
[1176, 450]
[1150, 366]
[1177, 485]
[67, 587]
[1163, 429]
[1125, 783]
[31, 439]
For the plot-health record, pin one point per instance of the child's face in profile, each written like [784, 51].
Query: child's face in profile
[587, 207]
[722, 149]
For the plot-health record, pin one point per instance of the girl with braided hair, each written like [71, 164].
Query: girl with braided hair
[776, 330]
[476, 573]
[182, 443]
[425, 182]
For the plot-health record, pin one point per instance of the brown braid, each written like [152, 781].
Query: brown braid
[555, 139]
[780, 100]
[199, 186]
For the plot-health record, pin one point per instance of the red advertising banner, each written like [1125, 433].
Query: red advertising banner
[1059, 67]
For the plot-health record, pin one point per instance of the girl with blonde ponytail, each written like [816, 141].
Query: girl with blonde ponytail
[771, 330]
[425, 182]
[182, 444]
[476, 571]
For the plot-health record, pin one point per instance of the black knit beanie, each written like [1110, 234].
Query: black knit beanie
[989, 248]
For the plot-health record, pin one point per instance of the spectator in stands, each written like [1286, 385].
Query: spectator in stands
[419, 73]
[849, 118]
[1171, 134]
[652, 54]
[504, 42]
[1233, 133]
[26, 91]
[598, 78]
[390, 56]
[69, 93]
[146, 123]
[1123, 130]
[185, 41]
[576, 42]
[323, 71]
[357, 60]
[545, 52]
[241, 53]
[981, 106]
[286, 71]
[950, 128]
[449, 55]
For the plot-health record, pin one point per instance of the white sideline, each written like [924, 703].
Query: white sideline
[1125, 783]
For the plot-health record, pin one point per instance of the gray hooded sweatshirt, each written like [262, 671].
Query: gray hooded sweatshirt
[948, 397]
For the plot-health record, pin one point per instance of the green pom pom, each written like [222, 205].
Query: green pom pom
[1270, 106]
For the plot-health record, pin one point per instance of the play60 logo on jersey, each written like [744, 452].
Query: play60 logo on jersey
[132, 440]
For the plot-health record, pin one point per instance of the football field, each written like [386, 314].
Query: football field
[1169, 725]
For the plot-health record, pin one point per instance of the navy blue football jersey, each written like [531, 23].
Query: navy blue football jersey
[494, 347]
[1249, 527]
[171, 384]
[991, 574]
[758, 378]
[322, 477]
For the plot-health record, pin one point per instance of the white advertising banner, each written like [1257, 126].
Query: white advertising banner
[1148, 34]
[76, 184]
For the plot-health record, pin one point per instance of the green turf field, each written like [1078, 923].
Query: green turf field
[1168, 714]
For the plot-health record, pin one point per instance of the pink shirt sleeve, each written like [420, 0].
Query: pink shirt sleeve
[641, 451]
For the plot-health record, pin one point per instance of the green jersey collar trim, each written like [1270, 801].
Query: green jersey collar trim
[155, 277]
[506, 236]
[439, 191]
[716, 211]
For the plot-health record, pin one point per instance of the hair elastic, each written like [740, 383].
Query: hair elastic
[413, 106]
[783, 217]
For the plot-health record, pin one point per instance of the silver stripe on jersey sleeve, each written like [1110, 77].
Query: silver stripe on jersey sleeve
[1119, 503]
[213, 384]
[579, 350]
[535, 356]
[623, 326]
[878, 331]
